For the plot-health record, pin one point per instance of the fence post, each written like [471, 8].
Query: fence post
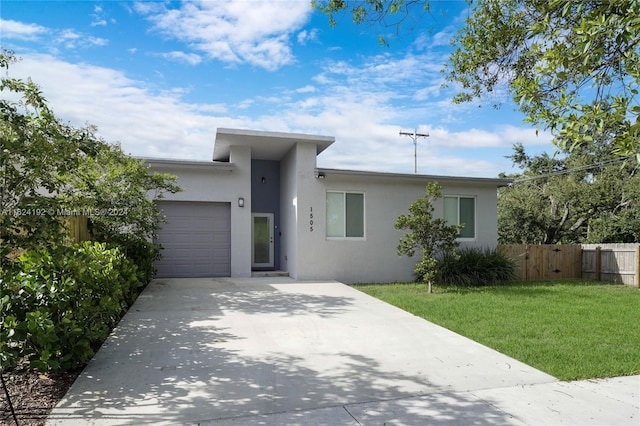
[598, 263]
[526, 262]
[580, 264]
[636, 277]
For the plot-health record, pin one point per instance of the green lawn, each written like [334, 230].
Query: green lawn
[571, 329]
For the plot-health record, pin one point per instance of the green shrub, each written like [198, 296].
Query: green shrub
[142, 253]
[474, 267]
[62, 303]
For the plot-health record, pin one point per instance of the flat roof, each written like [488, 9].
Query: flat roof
[189, 164]
[264, 145]
[414, 177]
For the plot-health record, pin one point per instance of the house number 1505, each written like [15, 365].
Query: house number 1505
[310, 219]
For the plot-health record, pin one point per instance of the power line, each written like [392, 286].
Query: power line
[575, 169]
[414, 136]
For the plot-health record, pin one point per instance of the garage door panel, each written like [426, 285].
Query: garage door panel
[190, 250]
[221, 226]
[224, 238]
[199, 223]
[218, 254]
[196, 240]
[202, 239]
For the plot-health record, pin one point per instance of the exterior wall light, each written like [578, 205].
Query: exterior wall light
[241, 202]
[320, 175]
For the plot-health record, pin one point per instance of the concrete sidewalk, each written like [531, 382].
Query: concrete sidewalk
[272, 351]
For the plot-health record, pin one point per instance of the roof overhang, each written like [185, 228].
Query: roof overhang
[166, 163]
[264, 145]
[354, 174]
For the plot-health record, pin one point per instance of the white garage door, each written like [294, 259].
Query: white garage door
[196, 240]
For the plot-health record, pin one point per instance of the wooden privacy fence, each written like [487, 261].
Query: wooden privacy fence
[78, 227]
[619, 263]
[544, 262]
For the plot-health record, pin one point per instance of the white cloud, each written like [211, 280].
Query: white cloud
[306, 89]
[367, 138]
[363, 107]
[73, 40]
[305, 36]
[237, 31]
[20, 31]
[431, 91]
[384, 73]
[244, 104]
[99, 22]
[98, 19]
[189, 58]
[444, 37]
[214, 108]
[125, 111]
[502, 136]
[68, 38]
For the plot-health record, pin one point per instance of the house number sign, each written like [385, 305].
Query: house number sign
[310, 219]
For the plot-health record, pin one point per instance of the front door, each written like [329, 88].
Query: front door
[262, 240]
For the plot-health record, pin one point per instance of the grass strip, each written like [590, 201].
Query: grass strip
[572, 330]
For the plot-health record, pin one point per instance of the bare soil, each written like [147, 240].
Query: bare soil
[33, 395]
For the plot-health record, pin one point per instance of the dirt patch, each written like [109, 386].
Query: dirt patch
[33, 395]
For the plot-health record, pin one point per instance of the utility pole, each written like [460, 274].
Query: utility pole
[414, 136]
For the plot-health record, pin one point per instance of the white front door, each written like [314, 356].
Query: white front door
[262, 240]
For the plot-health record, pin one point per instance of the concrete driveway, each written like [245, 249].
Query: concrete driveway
[272, 351]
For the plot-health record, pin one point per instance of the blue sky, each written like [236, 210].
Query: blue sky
[160, 77]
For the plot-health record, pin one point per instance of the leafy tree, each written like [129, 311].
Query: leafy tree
[587, 195]
[50, 170]
[572, 67]
[621, 226]
[119, 194]
[432, 236]
[56, 300]
[388, 13]
[35, 149]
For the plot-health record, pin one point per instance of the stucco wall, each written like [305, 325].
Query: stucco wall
[288, 213]
[240, 156]
[374, 259]
[211, 184]
[308, 235]
[305, 251]
[196, 184]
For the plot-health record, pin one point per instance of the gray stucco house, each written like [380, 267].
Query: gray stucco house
[263, 204]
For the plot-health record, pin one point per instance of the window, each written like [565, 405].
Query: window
[345, 214]
[459, 211]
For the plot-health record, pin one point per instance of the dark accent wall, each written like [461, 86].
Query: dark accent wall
[265, 197]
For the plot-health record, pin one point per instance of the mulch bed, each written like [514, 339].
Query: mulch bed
[33, 395]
